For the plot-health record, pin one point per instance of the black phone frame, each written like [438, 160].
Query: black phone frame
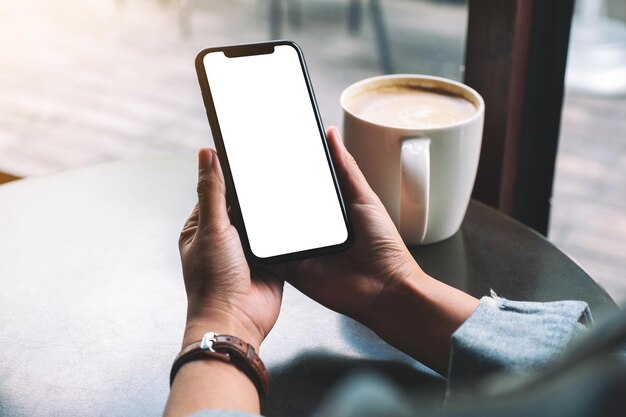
[260, 48]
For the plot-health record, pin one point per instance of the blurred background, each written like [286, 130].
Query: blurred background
[87, 81]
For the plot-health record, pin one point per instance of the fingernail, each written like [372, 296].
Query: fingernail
[338, 135]
[204, 159]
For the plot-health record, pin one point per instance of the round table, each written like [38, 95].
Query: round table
[92, 303]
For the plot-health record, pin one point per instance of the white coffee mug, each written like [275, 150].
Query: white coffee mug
[424, 176]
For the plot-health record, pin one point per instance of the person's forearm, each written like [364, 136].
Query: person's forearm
[418, 315]
[211, 383]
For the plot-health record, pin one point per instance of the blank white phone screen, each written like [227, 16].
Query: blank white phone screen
[279, 167]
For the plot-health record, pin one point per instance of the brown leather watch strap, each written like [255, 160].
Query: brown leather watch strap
[228, 349]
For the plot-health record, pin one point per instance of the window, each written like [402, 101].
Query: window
[588, 219]
[89, 81]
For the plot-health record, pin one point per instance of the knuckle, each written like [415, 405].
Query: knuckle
[182, 240]
[208, 183]
[203, 186]
[186, 236]
[215, 231]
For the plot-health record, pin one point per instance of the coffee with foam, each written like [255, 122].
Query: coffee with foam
[410, 107]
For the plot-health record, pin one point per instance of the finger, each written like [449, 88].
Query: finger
[189, 229]
[353, 182]
[192, 220]
[212, 212]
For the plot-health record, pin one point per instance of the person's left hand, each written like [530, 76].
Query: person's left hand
[224, 293]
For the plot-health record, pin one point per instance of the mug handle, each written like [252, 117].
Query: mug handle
[414, 188]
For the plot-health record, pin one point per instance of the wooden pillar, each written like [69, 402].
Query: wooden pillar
[496, 65]
[515, 58]
[542, 112]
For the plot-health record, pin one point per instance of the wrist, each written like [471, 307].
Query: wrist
[418, 308]
[211, 384]
[396, 285]
[220, 321]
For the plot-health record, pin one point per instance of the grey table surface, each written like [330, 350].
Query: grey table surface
[92, 303]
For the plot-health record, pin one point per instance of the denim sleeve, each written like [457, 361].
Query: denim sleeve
[222, 413]
[500, 336]
[513, 336]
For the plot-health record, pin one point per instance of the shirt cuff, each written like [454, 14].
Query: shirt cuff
[222, 413]
[513, 336]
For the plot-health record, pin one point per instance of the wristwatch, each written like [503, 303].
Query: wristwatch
[228, 349]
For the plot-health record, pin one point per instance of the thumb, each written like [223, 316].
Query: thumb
[353, 183]
[212, 210]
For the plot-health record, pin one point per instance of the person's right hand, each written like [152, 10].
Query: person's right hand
[377, 282]
[352, 281]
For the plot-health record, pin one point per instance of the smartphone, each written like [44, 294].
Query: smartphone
[271, 144]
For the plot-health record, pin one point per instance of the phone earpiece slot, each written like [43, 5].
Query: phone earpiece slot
[246, 50]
